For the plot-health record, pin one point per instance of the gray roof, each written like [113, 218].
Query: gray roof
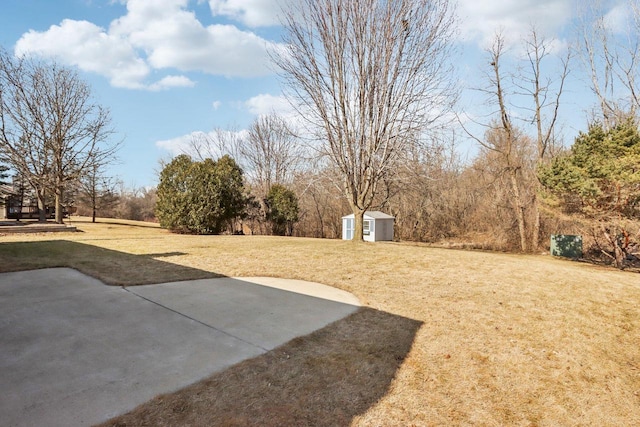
[373, 214]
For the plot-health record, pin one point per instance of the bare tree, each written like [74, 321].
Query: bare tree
[215, 144]
[270, 152]
[321, 201]
[611, 57]
[137, 204]
[538, 93]
[544, 90]
[503, 138]
[545, 94]
[371, 76]
[50, 129]
[29, 155]
[429, 201]
[97, 190]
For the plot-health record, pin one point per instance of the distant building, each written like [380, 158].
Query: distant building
[377, 226]
[6, 193]
[21, 204]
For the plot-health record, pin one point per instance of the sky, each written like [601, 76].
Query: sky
[168, 68]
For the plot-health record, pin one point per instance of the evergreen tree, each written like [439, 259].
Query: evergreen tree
[172, 207]
[200, 197]
[601, 175]
[283, 209]
[600, 178]
[4, 174]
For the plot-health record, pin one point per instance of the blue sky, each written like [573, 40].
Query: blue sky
[167, 68]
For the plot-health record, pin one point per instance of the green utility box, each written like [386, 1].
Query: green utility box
[566, 245]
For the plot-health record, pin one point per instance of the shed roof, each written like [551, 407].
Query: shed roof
[373, 215]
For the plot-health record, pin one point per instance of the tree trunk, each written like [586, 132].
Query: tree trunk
[263, 222]
[621, 243]
[94, 199]
[94, 202]
[535, 231]
[59, 194]
[619, 255]
[320, 219]
[519, 209]
[21, 187]
[42, 212]
[358, 215]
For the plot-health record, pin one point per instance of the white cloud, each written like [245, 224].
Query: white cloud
[181, 144]
[173, 37]
[480, 20]
[252, 13]
[172, 81]
[152, 35]
[266, 103]
[87, 46]
[216, 105]
[222, 50]
[619, 18]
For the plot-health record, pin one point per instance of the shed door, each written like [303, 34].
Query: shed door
[385, 230]
[348, 228]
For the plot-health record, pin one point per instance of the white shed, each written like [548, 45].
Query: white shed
[377, 226]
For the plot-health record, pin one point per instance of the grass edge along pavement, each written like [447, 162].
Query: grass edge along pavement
[504, 339]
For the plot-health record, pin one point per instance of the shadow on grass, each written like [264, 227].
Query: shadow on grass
[112, 267]
[165, 254]
[328, 377]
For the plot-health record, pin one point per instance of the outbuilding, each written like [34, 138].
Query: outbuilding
[376, 226]
[6, 195]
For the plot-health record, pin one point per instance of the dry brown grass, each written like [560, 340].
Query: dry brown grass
[447, 337]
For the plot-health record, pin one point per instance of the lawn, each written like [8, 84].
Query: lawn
[446, 337]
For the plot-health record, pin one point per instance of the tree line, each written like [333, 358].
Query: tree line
[377, 127]
[369, 80]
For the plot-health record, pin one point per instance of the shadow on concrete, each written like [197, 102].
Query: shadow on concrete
[327, 377]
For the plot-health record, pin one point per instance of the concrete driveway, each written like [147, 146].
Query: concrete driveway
[75, 352]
